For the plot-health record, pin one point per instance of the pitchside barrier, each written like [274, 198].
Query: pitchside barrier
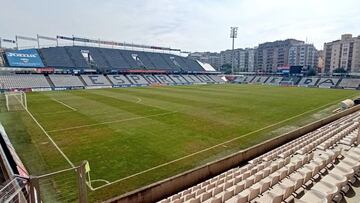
[68, 185]
[162, 189]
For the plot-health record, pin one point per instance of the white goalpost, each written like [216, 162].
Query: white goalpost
[15, 101]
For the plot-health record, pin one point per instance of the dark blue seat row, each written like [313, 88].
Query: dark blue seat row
[115, 59]
[56, 57]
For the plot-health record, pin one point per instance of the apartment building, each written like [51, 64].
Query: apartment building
[305, 55]
[272, 55]
[343, 54]
[244, 59]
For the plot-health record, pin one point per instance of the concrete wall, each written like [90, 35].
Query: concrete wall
[167, 187]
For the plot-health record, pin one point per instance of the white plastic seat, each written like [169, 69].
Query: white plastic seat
[337, 180]
[313, 196]
[326, 188]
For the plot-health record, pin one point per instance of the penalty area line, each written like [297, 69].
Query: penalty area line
[60, 102]
[47, 135]
[115, 121]
[215, 146]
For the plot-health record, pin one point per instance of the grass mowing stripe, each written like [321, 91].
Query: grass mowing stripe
[215, 146]
[115, 121]
[60, 102]
[44, 131]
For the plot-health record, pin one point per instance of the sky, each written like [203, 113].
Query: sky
[190, 25]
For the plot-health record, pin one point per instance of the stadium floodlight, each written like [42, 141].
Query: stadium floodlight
[233, 35]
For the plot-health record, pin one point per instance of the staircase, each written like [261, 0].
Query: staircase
[82, 80]
[50, 82]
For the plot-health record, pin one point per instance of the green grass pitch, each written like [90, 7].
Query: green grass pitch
[127, 131]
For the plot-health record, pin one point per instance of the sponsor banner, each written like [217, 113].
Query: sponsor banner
[45, 70]
[97, 87]
[24, 58]
[21, 89]
[41, 89]
[146, 71]
[61, 88]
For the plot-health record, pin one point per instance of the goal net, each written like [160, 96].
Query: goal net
[15, 101]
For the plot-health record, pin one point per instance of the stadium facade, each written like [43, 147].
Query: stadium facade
[61, 67]
[316, 163]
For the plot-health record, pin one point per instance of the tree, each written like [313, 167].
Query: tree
[311, 72]
[226, 68]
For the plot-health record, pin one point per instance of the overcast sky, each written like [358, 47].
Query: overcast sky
[193, 25]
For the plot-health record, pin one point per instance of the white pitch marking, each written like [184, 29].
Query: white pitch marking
[115, 121]
[101, 180]
[51, 140]
[138, 100]
[60, 102]
[55, 112]
[212, 147]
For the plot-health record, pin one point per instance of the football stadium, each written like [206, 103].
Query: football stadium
[83, 119]
[132, 126]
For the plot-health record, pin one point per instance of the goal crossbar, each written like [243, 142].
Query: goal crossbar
[15, 101]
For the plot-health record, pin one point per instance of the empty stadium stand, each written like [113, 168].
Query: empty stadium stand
[56, 57]
[178, 79]
[137, 79]
[63, 81]
[60, 81]
[96, 81]
[108, 60]
[327, 82]
[119, 80]
[164, 79]
[260, 79]
[320, 166]
[290, 80]
[151, 79]
[159, 61]
[274, 80]
[217, 78]
[244, 79]
[23, 81]
[77, 57]
[192, 79]
[308, 81]
[349, 83]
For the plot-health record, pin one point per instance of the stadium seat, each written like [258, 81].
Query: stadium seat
[316, 167]
[66, 81]
[96, 80]
[349, 83]
[23, 81]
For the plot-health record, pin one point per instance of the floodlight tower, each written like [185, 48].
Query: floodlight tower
[233, 35]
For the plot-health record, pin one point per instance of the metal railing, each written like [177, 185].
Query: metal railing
[68, 185]
[16, 190]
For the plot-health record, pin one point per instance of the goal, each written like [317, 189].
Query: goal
[15, 101]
